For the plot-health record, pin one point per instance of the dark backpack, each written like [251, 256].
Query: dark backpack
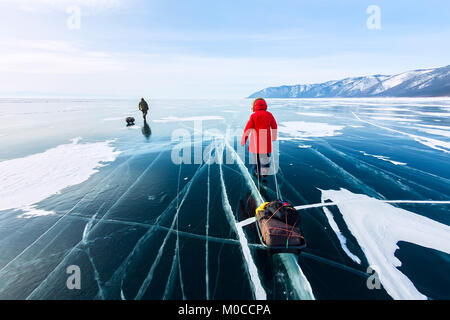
[281, 211]
[279, 226]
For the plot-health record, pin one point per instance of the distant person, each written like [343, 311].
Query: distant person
[262, 129]
[143, 106]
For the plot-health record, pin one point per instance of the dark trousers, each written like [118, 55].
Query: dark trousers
[262, 163]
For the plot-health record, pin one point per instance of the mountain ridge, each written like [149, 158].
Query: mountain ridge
[416, 83]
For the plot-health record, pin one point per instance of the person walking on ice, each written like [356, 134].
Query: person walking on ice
[143, 106]
[262, 130]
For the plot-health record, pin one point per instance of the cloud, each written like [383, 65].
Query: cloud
[52, 57]
[68, 67]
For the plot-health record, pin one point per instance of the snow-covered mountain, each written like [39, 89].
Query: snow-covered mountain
[418, 83]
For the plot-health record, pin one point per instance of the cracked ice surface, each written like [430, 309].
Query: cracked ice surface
[141, 227]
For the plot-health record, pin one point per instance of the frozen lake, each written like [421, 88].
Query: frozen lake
[79, 187]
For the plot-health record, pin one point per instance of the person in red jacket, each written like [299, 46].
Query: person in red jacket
[262, 130]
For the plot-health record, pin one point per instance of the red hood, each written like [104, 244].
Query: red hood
[259, 104]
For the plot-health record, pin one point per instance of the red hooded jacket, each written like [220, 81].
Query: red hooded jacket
[262, 129]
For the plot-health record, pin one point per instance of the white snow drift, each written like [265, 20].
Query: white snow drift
[384, 158]
[378, 227]
[29, 180]
[305, 130]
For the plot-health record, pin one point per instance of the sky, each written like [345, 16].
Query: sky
[210, 49]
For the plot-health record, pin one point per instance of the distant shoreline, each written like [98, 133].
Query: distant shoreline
[411, 84]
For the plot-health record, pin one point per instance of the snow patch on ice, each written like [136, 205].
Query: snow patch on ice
[378, 227]
[113, 119]
[76, 140]
[433, 143]
[384, 158]
[32, 212]
[436, 132]
[440, 127]
[434, 114]
[29, 180]
[302, 130]
[132, 127]
[382, 108]
[385, 114]
[399, 119]
[314, 114]
[429, 142]
[180, 119]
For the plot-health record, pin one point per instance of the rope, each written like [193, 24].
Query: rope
[275, 179]
[288, 231]
[256, 155]
[275, 212]
[258, 171]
